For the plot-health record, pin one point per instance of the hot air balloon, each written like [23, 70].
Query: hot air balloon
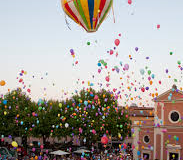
[89, 14]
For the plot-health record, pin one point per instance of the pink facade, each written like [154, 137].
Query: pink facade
[162, 139]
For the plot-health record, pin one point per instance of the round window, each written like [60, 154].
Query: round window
[146, 139]
[174, 116]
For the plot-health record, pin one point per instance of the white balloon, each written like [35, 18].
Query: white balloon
[66, 125]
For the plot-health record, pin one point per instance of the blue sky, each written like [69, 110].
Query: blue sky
[34, 37]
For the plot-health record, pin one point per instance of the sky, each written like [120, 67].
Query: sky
[34, 37]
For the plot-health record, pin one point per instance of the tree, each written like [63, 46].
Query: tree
[89, 115]
[14, 119]
[92, 114]
[45, 113]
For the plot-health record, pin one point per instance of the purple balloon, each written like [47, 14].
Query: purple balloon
[72, 51]
[136, 49]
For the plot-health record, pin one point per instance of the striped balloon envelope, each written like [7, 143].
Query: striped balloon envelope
[87, 13]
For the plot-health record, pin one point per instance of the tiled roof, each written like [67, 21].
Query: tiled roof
[141, 111]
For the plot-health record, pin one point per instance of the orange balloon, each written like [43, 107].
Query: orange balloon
[2, 83]
[36, 157]
[150, 82]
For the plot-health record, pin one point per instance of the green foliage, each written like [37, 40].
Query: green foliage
[88, 115]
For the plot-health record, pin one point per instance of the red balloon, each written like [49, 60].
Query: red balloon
[143, 89]
[28, 90]
[129, 1]
[117, 42]
[104, 140]
[111, 52]
[158, 26]
[21, 80]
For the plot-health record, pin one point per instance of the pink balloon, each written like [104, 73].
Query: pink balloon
[117, 42]
[33, 149]
[96, 97]
[126, 66]
[99, 70]
[93, 131]
[107, 78]
[41, 146]
[28, 90]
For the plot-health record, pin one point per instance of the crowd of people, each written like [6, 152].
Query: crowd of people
[22, 154]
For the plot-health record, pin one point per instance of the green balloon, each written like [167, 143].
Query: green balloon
[105, 64]
[88, 43]
[149, 72]
[40, 108]
[102, 61]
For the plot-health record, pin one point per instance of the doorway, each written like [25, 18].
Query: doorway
[173, 156]
[146, 156]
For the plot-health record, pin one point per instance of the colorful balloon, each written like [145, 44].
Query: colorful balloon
[129, 1]
[104, 140]
[14, 144]
[117, 42]
[88, 14]
[126, 66]
[2, 83]
[142, 71]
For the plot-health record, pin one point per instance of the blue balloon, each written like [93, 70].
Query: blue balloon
[142, 71]
[85, 103]
[169, 98]
[138, 153]
[5, 102]
[99, 64]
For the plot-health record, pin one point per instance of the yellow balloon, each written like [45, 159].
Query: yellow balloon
[14, 144]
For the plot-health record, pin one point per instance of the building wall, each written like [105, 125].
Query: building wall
[146, 147]
[169, 139]
[162, 131]
[171, 107]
